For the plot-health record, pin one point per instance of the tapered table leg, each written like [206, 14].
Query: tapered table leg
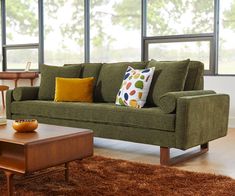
[3, 100]
[9, 177]
[66, 172]
[31, 82]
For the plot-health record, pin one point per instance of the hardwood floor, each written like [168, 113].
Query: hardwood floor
[219, 160]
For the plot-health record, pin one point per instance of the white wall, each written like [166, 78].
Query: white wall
[223, 84]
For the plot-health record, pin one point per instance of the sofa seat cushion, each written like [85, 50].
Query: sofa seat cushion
[107, 113]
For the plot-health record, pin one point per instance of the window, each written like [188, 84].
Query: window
[19, 57]
[226, 38]
[21, 21]
[63, 32]
[115, 30]
[182, 29]
[21, 42]
[198, 50]
[179, 17]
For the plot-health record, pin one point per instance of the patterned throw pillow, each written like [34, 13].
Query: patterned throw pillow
[135, 87]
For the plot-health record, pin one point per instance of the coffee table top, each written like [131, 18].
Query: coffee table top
[43, 132]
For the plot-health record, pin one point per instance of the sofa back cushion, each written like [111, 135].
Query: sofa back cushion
[89, 70]
[48, 76]
[168, 77]
[110, 79]
[194, 79]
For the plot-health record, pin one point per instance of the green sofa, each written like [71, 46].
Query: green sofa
[185, 119]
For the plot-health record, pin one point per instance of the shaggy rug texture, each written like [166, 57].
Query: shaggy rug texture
[105, 176]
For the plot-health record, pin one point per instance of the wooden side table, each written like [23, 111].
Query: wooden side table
[16, 75]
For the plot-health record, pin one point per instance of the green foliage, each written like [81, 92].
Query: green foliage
[229, 21]
[163, 17]
[73, 29]
[21, 17]
[127, 13]
[53, 6]
[99, 37]
[203, 15]
[160, 13]
[76, 32]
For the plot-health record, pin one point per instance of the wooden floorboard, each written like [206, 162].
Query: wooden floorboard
[219, 160]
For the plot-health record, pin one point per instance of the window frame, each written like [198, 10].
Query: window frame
[145, 40]
[19, 47]
[183, 38]
[6, 46]
[213, 38]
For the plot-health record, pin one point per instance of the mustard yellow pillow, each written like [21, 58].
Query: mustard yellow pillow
[74, 89]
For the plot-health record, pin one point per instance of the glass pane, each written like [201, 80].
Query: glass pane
[64, 31]
[115, 30]
[227, 34]
[198, 51]
[170, 17]
[21, 21]
[17, 59]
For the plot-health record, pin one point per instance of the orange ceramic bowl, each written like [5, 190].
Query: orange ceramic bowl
[25, 125]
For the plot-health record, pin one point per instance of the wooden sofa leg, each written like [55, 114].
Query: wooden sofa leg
[165, 158]
[205, 147]
[164, 155]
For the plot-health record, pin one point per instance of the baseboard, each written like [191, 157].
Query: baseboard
[231, 123]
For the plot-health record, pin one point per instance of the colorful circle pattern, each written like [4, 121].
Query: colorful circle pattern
[135, 87]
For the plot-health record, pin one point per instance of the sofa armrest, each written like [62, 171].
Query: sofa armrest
[9, 100]
[200, 119]
[168, 101]
[25, 93]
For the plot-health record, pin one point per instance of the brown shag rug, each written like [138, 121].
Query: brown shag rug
[105, 176]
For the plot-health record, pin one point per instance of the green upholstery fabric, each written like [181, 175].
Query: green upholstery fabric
[48, 75]
[150, 118]
[201, 119]
[194, 80]
[168, 101]
[25, 93]
[168, 77]
[110, 80]
[89, 70]
[9, 100]
[140, 135]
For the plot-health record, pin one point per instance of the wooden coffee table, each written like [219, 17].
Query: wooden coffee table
[25, 153]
